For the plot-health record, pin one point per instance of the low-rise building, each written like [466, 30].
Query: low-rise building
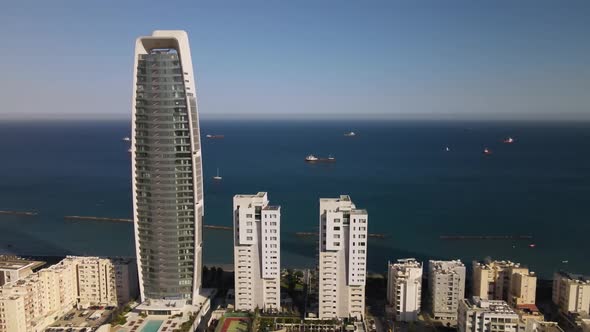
[446, 286]
[404, 289]
[481, 315]
[541, 326]
[528, 314]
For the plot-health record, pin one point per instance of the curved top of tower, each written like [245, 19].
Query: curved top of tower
[174, 39]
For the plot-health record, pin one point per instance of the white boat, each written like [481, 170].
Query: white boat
[331, 158]
[311, 157]
[509, 140]
[130, 150]
[217, 177]
[126, 139]
[350, 133]
[447, 149]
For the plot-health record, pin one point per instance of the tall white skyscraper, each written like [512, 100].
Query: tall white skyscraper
[404, 288]
[166, 169]
[446, 285]
[343, 258]
[257, 253]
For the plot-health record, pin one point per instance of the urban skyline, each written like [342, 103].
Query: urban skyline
[166, 287]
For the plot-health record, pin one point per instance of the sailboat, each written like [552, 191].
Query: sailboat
[217, 177]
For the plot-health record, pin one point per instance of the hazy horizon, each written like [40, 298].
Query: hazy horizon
[317, 117]
[426, 60]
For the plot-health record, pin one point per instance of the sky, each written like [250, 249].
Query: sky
[453, 59]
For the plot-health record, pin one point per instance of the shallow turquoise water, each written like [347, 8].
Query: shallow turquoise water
[152, 326]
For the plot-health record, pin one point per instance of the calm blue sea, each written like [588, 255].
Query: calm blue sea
[414, 190]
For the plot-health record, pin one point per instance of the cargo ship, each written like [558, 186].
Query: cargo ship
[215, 136]
[313, 159]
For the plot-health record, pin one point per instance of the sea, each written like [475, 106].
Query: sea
[416, 192]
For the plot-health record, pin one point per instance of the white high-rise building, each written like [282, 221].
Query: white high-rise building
[257, 253]
[479, 315]
[404, 288]
[167, 175]
[446, 284]
[343, 258]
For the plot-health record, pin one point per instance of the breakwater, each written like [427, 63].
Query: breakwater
[19, 213]
[97, 219]
[126, 220]
[485, 237]
[372, 235]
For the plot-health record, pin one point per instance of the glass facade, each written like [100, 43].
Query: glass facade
[167, 178]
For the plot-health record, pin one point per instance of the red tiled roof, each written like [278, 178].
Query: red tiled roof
[530, 307]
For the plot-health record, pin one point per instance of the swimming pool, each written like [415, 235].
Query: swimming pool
[152, 326]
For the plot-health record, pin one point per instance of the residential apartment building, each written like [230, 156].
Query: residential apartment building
[504, 280]
[13, 268]
[104, 281]
[446, 285]
[481, 315]
[12, 314]
[96, 280]
[126, 282]
[167, 175]
[523, 288]
[257, 253]
[33, 302]
[342, 258]
[404, 289]
[571, 292]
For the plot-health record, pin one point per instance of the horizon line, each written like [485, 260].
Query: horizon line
[308, 119]
[446, 116]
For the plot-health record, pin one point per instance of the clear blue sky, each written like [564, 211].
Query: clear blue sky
[367, 59]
